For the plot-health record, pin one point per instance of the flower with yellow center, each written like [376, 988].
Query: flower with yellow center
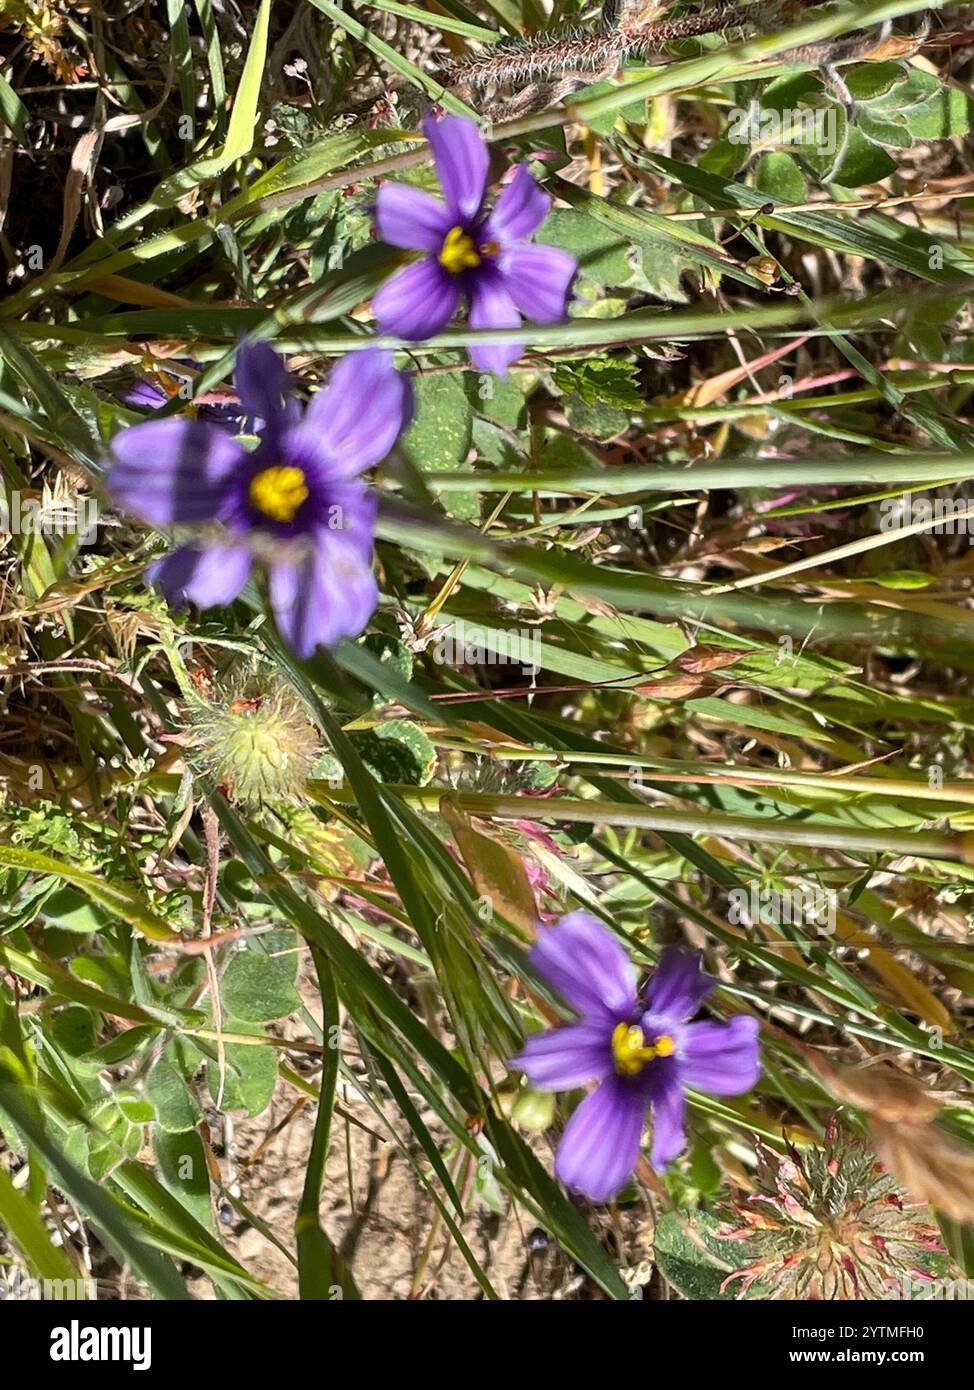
[475, 250]
[629, 1050]
[279, 492]
[458, 252]
[620, 1043]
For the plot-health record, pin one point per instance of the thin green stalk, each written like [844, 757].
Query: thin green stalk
[809, 834]
[322, 1274]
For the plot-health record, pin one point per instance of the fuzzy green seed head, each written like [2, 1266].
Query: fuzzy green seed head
[255, 740]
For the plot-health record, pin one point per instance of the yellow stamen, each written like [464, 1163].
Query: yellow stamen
[279, 492]
[458, 253]
[630, 1052]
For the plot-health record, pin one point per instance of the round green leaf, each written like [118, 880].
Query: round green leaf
[256, 989]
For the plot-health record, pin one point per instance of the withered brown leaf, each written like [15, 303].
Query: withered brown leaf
[902, 1115]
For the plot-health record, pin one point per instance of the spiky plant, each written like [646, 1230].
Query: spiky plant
[830, 1223]
[253, 737]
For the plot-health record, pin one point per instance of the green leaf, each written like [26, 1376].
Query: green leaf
[119, 901]
[75, 1030]
[598, 421]
[105, 1212]
[697, 1273]
[602, 254]
[870, 82]
[168, 1220]
[249, 1079]
[656, 249]
[317, 159]
[947, 113]
[255, 989]
[959, 1240]
[779, 176]
[859, 162]
[904, 579]
[13, 112]
[71, 911]
[26, 1227]
[603, 381]
[184, 1172]
[445, 22]
[502, 401]
[176, 1108]
[398, 750]
[120, 1048]
[135, 1110]
[243, 118]
[439, 437]
[889, 131]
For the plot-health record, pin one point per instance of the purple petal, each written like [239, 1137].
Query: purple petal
[264, 386]
[722, 1058]
[209, 576]
[539, 281]
[492, 307]
[328, 594]
[361, 412]
[419, 302]
[146, 395]
[600, 1146]
[175, 471]
[352, 511]
[678, 986]
[411, 219]
[461, 163]
[669, 1135]
[520, 209]
[563, 1058]
[587, 966]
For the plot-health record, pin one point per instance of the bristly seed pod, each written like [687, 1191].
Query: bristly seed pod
[831, 1223]
[254, 739]
[629, 27]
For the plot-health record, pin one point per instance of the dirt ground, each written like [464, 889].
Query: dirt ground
[381, 1221]
[376, 1209]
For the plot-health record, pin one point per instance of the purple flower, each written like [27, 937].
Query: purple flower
[146, 396]
[637, 1045]
[482, 256]
[295, 505]
[222, 409]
